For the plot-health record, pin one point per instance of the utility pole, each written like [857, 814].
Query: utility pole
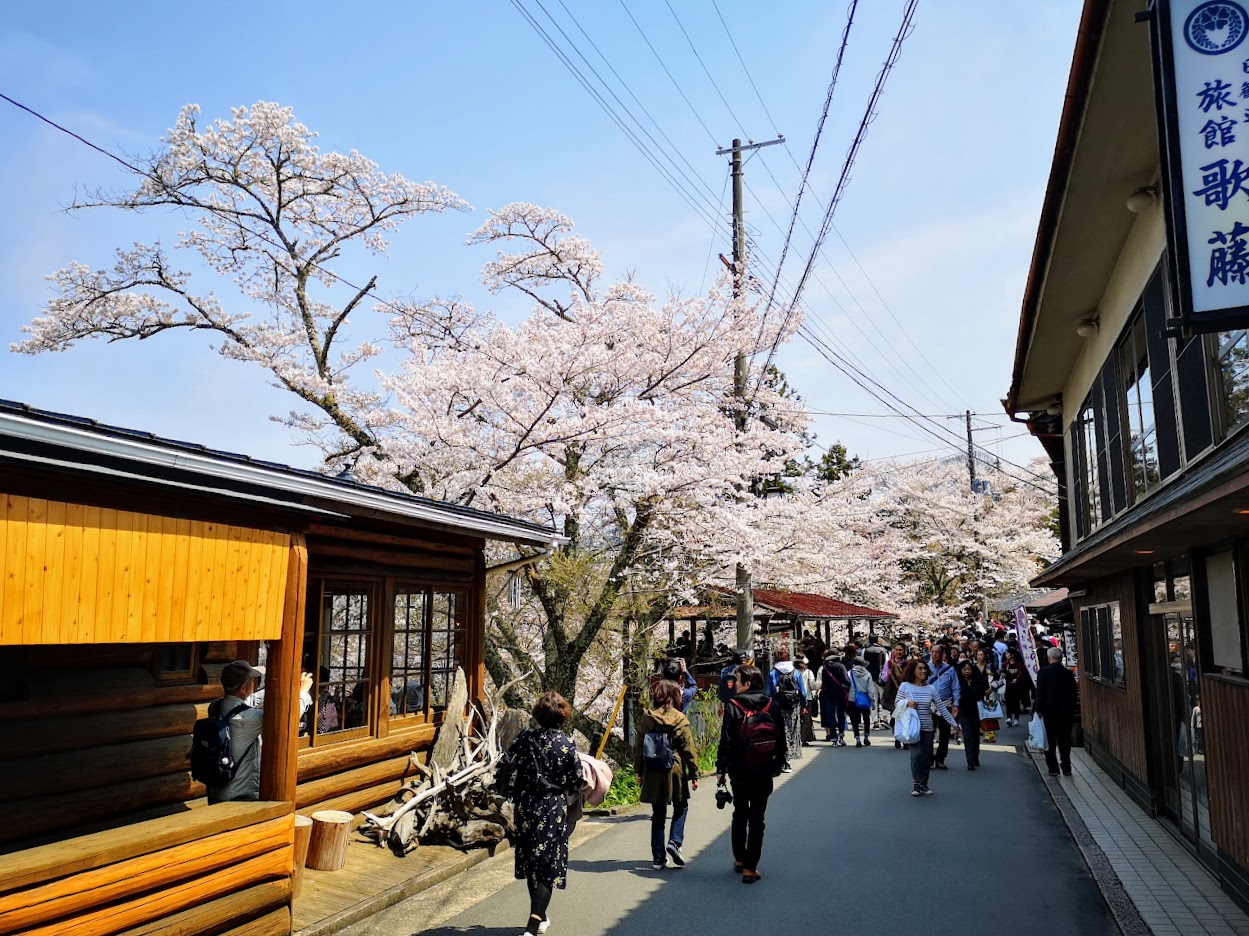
[741, 372]
[971, 455]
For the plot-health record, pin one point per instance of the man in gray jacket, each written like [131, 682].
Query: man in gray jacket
[239, 680]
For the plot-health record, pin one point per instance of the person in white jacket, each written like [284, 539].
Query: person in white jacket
[862, 686]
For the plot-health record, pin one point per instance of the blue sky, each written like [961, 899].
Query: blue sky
[940, 212]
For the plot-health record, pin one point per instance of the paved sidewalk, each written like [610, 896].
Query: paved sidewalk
[1171, 892]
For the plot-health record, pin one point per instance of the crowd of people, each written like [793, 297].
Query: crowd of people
[959, 686]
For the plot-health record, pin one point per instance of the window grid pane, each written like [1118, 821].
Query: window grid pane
[408, 681]
[343, 675]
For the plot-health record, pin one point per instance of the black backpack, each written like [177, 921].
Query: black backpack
[787, 691]
[657, 752]
[756, 741]
[211, 763]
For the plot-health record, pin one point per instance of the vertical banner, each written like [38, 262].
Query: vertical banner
[1027, 644]
[1202, 66]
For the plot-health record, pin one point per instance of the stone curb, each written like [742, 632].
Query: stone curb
[1122, 908]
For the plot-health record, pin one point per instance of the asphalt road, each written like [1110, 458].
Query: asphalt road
[847, 849]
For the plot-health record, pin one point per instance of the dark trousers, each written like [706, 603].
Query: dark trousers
[970, 723]
[1058, 732]
[750, 802]
[858, 715]
[921, 758]
[833, 714]
[942, 734]
[1015, 697]
[659, 820]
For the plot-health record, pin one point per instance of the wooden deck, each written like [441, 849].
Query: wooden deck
[373, 879]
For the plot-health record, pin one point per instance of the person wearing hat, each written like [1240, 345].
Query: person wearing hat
[239, 680]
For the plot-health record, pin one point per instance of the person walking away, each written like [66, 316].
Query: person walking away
[945, 683]
[548, 770]
[751, 754]
[891, 676]
[808, 682]
[972, 688]
[788, 688]
[1016, 676]
[668, 771]
[915, 692]
[862, 689]
[834, 684]
[875, 656]
[1056, 704]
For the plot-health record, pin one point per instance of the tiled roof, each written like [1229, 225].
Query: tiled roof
[807, 604]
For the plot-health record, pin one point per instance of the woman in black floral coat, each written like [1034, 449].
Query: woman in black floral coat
[548, 771]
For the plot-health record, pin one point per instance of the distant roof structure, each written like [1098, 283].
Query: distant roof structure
[772, 602]
[83, 447]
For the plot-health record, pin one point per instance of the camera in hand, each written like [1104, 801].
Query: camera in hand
[723, 796]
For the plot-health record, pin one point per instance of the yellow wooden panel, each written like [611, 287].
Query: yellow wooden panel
[11, 578]
[220, 556]
[150, 579]
[194, 565]
[88, 603]
[32, 593]
[53, 570]
[232, 584]
[174, 609]
[76, 574]
[264, 575]
[135, 578]
[71, 585]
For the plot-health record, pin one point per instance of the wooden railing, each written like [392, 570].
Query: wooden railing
[205, 870]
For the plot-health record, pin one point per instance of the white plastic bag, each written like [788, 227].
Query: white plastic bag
[1037, 740]
[906, 725]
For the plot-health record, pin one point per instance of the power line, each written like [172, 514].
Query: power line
[714, 84]
[868, 114]
[602, 102]
[815, 144]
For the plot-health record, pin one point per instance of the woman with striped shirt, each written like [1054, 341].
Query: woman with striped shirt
[917, 694]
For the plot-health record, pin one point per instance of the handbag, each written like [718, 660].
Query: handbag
[990, 710]
[1037, 739]
[906, 725]
[861, 699]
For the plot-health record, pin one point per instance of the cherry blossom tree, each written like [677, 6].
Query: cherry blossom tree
[269, 211]
[607, 411]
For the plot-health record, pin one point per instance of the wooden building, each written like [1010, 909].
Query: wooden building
[1147, 428]
[132, 569]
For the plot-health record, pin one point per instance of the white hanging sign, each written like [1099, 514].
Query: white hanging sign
[1202, 59]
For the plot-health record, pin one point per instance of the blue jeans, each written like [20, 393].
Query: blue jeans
[921, 758]
[659, 819]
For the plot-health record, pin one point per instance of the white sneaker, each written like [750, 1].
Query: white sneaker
[659, 865]
[544, 926]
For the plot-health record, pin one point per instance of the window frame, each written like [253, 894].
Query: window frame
[176, 677]
[384, 591]
[1086, 475]
[1132, 348]
[1100, 625]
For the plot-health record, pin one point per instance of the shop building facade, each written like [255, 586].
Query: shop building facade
[1146, 423]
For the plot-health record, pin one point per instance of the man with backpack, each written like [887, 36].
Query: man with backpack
[752, 753]
[226, 755]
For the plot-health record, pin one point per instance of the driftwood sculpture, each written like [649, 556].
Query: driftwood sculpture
[453, 801]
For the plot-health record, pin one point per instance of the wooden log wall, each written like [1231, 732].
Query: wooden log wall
[73, 574]
[97, 739]
[1115, 717]
[358, 775]
[1225, 712]
[195, 873]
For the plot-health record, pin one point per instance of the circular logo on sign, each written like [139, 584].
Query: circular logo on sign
[1216, 27]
